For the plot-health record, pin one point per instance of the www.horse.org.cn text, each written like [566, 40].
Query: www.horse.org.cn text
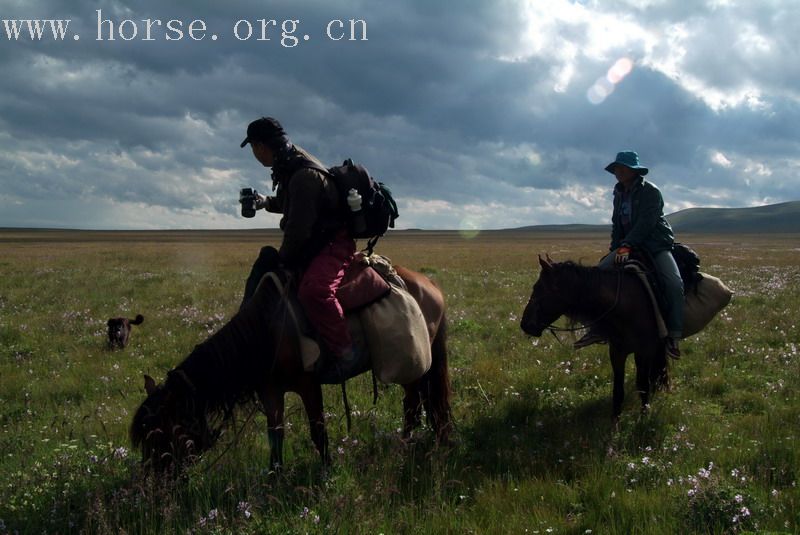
[286, 33]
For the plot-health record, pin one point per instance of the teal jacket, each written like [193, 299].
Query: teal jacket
[649, 228]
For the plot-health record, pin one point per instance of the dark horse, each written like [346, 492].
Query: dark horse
[256, 356]
[612, 300]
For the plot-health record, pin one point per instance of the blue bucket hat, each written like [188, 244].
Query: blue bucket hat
[628, 158]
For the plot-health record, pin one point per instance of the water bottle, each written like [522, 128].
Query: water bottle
[354, 202]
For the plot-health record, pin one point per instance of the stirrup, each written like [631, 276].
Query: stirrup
[331, 369]
[588, 339]
[672, 349]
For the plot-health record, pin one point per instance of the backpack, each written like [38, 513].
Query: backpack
[378, 207]
[688, 264]
[377, 203]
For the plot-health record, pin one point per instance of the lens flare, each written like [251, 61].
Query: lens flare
[603, 87]
[599, 91]
[619, 70]
[469, 228]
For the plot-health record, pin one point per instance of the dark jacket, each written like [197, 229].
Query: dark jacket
[309, 202]
[649, 228]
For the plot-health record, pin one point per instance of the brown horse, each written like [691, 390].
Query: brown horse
[256, 356]
[613, 301]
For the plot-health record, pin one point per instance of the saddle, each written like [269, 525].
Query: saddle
[385, 321]
[641, 262]
[650, 282]
[688, 263]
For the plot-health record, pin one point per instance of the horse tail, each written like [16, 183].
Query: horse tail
[435, 386]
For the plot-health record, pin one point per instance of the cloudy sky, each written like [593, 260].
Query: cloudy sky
[477, 113]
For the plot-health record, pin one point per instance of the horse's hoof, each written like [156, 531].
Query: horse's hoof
[275, 470]
[615, 423]
[325, 473]
[446, 444]
[409, 439]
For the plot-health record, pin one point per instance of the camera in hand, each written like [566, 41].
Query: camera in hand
[247, 197]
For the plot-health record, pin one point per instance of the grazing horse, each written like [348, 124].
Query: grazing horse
[612, 300]
[256, 356]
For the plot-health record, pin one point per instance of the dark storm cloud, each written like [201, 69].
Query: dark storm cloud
[457, 106]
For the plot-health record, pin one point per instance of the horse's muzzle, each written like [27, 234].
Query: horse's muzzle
[531, 328]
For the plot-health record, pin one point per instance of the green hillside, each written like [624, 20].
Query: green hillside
[772, 218]
[783, 217]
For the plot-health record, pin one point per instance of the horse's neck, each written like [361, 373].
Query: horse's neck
[593, 294]
[229, 361]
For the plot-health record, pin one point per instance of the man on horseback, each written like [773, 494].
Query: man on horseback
[316, 242]
[638, 224]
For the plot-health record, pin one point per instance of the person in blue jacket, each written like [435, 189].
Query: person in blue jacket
[638, 223]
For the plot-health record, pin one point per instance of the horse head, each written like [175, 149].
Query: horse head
[170, 426]
[545, 304]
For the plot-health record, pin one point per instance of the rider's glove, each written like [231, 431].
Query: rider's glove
[623, 253]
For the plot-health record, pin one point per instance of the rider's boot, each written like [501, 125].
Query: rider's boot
[592, 336]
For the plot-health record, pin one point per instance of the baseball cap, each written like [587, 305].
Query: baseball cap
[265, 129]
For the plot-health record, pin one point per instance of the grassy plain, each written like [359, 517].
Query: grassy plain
[535, 449]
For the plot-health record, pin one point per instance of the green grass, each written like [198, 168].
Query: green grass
[535, 449]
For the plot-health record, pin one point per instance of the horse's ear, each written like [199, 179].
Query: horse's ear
[149, 384]
[547, 256]
[546, 264]
[546, 276]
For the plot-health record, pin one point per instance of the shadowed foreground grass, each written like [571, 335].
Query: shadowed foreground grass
[534, 452]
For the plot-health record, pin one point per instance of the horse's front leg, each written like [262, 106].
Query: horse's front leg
[618, 356]
[273, 402]
[643, 365]
[310, 392]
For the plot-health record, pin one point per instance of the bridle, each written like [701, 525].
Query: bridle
[553, 328]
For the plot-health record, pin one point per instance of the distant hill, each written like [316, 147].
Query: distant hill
[772, 218]
[569, 227]
[783, 217]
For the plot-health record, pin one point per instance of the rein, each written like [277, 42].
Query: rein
[236, 436]
[553, 328]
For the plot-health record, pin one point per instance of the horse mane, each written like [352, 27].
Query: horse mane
[577, 283]
[579, 275]
[226, 369]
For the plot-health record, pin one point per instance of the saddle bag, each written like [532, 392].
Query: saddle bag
[709, 296]
[382, 317]
[397, 337]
